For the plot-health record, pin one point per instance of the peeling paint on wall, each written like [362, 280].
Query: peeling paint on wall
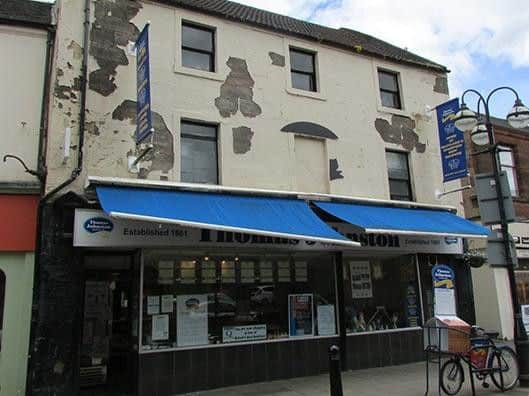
[76, 49]
[334, 171]
[92, 128]
[162, 156]
[401, 132]
[112, 29]
[242, 139]
[277, 59]
[62, 91]
[236, 93]
[441, 85]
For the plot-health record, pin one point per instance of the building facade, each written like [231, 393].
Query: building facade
[491, 284]
[25, 32]
[226, 254]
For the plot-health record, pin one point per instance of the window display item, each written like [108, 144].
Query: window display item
[326, 322]
[361, 279]
[153, 305]
[301, 315]
[167, 303]
[165, 272]
[192, 319]
[160, 327]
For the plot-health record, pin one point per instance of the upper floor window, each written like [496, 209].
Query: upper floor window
[198, 153]
[198, 47]
[388, 83]
[507, 165]
[303, 69]
[399, 176]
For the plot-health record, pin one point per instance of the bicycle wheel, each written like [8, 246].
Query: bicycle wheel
[504, 358]
[451, 377]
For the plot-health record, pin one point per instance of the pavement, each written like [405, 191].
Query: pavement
[404, 380]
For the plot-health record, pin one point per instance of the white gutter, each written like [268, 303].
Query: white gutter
[125, 182]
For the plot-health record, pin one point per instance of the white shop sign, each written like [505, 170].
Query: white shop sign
[94, 228]
[243, 333]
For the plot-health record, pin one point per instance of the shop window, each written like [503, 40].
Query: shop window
[2, 303]
[381, 294]
[388, 83]
[399, 176]
[198, 152]
[198, 47]
[508, 166]
[303, 70]
[199, 300]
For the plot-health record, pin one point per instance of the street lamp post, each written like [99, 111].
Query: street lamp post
[482, 133]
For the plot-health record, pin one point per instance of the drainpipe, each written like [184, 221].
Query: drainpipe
[42, 165]
[44, 112]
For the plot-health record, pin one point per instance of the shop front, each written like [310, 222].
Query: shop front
[18, 217]
[189, 308]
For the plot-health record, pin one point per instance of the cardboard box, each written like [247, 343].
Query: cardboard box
[447, 333]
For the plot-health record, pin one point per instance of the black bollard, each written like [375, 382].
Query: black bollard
[335, 371]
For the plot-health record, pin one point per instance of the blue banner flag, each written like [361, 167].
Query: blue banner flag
[143, 105]
[451, 141]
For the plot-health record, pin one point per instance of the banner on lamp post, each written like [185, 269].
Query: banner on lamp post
[143, 104]
[451, 142]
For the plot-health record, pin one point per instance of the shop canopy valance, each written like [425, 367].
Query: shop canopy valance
[270, 216]
[399, 220]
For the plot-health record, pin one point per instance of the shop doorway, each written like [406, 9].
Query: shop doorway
[108, 356]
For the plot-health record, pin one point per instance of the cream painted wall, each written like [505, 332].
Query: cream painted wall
[22, 81]
[348, 103]
[18, 270]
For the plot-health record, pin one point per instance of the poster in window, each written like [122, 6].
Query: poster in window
[283, 271]
[301, 271]
[412, 306]
[167, 303]
[187, 271]
[361, 285]
[326, 322]
[153, 305]
[300, 315]
[247, 272]
[209, 272]
[227, 271]
[192, 319]
[165, 272]
[266, 269]
[160, 327]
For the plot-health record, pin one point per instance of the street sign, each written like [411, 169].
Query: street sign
[143, 105]
[488, 199]
[451, 142]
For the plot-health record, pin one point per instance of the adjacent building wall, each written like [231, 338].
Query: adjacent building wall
[491, 284]
[18, 270]
[22, 73]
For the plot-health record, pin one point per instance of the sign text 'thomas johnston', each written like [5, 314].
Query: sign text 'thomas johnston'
[373, 240]
[94, 228]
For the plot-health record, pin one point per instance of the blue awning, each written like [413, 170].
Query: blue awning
[404, 220]
[276, 217]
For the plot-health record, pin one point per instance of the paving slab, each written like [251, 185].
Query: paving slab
[404, 380]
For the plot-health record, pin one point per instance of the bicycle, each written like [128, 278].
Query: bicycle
[485, 359]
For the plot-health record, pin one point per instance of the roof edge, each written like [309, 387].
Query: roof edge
[433, 66]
